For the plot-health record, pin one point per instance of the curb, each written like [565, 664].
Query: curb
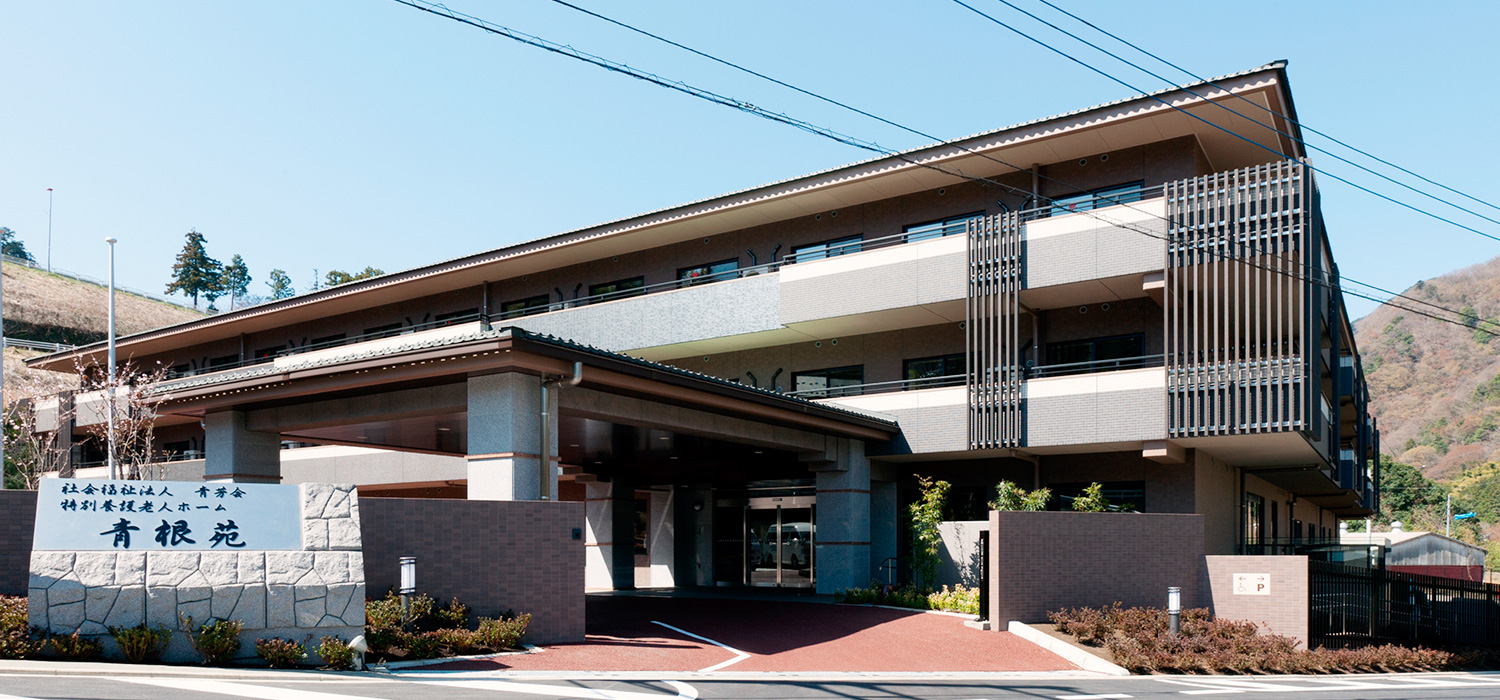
[1070, 653]
[397, 665]
[99, 668]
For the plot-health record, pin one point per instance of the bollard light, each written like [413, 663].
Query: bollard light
[1174, 609]
[408, 575]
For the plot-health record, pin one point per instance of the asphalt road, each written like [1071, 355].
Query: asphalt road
[478, 687]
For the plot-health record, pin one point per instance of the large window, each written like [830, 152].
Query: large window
[223, 361]
[828, 249]
[1127, 496]
[943, 227]
[1096, 199]
[455, 317]
[1255, 518]
[271, 351]
[619, 289]
[384, 331]
[834, 381]
[524, 307]
[327, 341]
[925, 372]
[1095, 355]
[711, 272]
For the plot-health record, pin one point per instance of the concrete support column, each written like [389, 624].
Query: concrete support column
[622, 532]
[505, 429]
[843, 534]
[236, 454]
[883, 529]
[599, 538]
[661, 538]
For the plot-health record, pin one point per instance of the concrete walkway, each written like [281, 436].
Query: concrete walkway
[772, 634]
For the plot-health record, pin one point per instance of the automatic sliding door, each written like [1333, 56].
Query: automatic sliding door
[764, 546]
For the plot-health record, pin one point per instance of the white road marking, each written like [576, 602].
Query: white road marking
[3, 696]
[242, 690]
[1109, 696]
[684, 691]
[738, 655]
[1216, 686]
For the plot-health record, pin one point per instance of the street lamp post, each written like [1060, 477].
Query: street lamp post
[110, 398]
[49, 229]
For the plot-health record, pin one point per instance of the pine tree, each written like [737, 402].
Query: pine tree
[236, 280]
[280, 284]
[12, 246]
[338, 277]
[195, 273]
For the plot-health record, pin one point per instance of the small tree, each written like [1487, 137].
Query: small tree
[195, 273]
[280, 284]
[30, 455]
[926, 538]
[338, 277]
[134, 419]
[236, 280]
[1092, 499]
[12, 246]
[1008, 496]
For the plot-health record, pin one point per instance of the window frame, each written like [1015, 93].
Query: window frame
[824, 249]
[911, 382]
[1088, 200]
[638, 288]
[530, 306]
[826, 373]
[911, 235]
[453, 318]
[709, 274]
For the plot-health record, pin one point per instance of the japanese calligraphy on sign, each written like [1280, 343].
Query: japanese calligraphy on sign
[89, 514]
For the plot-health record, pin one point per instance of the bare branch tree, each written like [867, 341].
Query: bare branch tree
[134, 417]
[30, 455]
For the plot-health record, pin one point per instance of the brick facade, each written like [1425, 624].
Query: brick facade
[492, 555]
[1045, 561]
[1283, 612]
[17, 520]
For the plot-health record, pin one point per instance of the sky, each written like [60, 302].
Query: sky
[341, 134]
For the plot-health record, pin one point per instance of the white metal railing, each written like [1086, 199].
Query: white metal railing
[90, 280]
[34, 345]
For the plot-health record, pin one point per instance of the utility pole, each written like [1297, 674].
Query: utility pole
[1448, 526]
[110, 397]
[49, 229]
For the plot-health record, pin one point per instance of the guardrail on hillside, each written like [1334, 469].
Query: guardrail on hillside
[91, 280]
[34, 345]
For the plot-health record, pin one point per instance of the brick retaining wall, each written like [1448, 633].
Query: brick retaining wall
[1045, 561]
[492, 555]
[17, 519]
[1284, 611]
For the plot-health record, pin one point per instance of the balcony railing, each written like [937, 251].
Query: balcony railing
[879, 387]
[1094, 366]
[641, 291]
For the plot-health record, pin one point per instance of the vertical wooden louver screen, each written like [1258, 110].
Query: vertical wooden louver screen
[1238, 301]
[992, 335]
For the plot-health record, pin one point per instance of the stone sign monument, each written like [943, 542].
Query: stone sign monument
[284, 560]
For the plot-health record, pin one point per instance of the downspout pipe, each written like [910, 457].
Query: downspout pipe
[544, 486]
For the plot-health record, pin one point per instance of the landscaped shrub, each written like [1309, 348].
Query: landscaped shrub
[460, 641]
[16, 638]
[959, 598]
[337, 655]
[420, 645]
[454, 615]
[76, 647]
[504, 633]
[1138, 639]
[280, 653]
[141, 644]
[216, 640]
[385, 620]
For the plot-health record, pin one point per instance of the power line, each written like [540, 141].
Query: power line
[923, 134]
[1250, 141]
[1242, 115]
[1300, 125]
[716, 98]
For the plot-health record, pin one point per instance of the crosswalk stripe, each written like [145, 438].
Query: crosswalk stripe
[243, 690]
[684, 691]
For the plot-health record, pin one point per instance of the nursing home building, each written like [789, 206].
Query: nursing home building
[743, 389]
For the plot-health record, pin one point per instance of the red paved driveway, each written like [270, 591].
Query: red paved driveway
[778, 636]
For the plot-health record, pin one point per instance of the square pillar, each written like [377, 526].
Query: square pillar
[622, 529]
[505, 438]
[843, 528]
[599, 537]
[883, 529]
[235, 454]
[661, 538]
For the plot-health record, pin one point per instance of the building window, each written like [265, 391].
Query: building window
[181, 370]
[834, 381]
[525, 307]
[711, 272]
[828, 249]
[620, 289]
[453, 318]
[223, 361]
[1099, 198]
[1255, 519]
[327, 341]
[1095, 355]
[938, 229]
[385, 331]
[926, 372]
[272, 351]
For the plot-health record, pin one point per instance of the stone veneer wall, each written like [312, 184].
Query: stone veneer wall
[319, 590]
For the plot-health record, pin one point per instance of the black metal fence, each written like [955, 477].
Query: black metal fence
[1356, 606]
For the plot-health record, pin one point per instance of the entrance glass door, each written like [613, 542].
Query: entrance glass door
[767, 541]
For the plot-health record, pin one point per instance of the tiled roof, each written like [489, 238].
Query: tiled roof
[387, 350]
